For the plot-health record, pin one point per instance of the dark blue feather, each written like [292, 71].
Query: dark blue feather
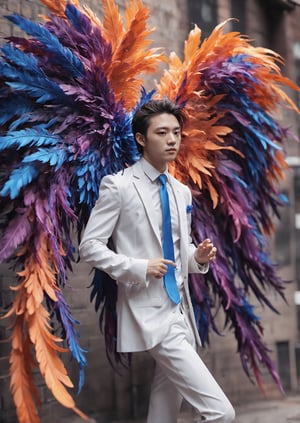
[14, 105]
[79, 21]
[38, 86]
[61, 55]
[23, 60]
[42, 90]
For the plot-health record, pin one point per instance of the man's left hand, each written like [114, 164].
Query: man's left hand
[205, 252]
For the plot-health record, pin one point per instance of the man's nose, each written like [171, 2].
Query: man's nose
[171, 138]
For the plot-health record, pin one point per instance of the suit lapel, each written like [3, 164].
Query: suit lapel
[141, 187]
[181, 207]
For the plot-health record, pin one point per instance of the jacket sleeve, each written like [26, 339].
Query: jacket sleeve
[193, 265]
[100, 227]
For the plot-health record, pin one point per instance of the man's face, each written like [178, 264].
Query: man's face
[162, 140]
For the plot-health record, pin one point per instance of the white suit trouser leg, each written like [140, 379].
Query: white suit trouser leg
[180, 373]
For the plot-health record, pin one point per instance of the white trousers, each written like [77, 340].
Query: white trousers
[180, 373]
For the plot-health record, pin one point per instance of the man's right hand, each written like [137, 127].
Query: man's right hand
[158, 267]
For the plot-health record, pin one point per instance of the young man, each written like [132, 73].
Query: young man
[154, 308]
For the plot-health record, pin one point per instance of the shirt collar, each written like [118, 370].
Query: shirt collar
[150, 170]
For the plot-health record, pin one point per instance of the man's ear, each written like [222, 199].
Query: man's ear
[140, 139]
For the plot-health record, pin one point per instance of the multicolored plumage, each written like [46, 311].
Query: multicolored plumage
[67, 94]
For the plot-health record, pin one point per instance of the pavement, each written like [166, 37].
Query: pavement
[283, 410]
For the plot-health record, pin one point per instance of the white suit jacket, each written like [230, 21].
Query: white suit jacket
[124, 213]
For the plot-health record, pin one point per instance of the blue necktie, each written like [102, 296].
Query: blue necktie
[167, 242]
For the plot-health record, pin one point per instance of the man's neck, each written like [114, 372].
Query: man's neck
[160, 168]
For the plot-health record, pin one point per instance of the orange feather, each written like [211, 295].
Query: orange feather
[24, 391]
[131, 56]
[37, 277]
[113, 28]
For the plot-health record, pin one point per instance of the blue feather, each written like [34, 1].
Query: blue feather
[16, 105]
[37, 86]
[25, 61]
[36, 136]
[145, 97]
[284, 199]
[264, 140]
[19, 178]
[78, 20]
[247, 308]
[72, 335]
[56, 157]
[59, 54]
[42, 90]
[26, 117]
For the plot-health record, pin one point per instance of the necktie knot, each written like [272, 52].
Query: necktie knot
[162, 179]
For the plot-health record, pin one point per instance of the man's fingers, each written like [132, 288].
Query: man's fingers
[170, 262]
[206, 251]
[206, 242]
[158, 267]
[212, 254]
[163, 267]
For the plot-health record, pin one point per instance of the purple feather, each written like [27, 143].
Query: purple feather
[15, 234]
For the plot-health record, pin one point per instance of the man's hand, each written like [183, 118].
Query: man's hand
[205, 252]
[158, 267]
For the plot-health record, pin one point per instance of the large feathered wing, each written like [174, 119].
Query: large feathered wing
[66, 93]
[232, 157]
